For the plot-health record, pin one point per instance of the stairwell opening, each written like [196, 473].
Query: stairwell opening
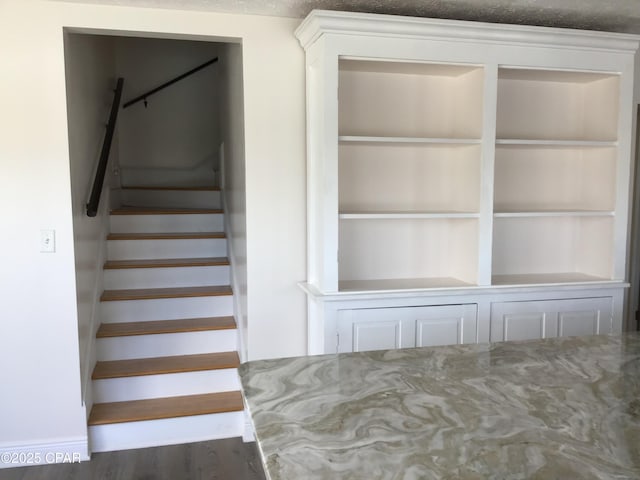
[170, 157]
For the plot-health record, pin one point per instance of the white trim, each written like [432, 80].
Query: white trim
[406, 215]
[248, 434]
[437, 141]
[88, 358]
[30, 454]
[314, 293]
[556, 143]
[319, 22]
[235, 285]
[555, 213]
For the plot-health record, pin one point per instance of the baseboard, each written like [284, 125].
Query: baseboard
[248, 435]
[235, 285]
[88, 358]
[68, 451]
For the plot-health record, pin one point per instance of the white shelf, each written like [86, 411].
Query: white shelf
[400, 284]
[553, 213]
[546, 278]
[428, 140]
[523, 142]
[406, 215]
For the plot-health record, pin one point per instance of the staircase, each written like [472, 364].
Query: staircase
[167, 346]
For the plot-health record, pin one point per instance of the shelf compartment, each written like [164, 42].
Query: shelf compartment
[404, 99]
[535, 178]
[389, 250]
[575, 245]
[379, 178]
[557, 105]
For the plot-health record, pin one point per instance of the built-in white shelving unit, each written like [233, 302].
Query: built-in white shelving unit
[458, 163]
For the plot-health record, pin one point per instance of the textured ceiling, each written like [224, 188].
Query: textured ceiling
[607, 15]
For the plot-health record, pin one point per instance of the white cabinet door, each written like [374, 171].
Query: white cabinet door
[404, 327]
[550, 318]
[445, 325]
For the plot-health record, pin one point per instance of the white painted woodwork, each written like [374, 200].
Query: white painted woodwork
[166, 344]
[166, 309]
[198, 222]
[386, 312]
[389, 328]
[171, 198]
[151, 433]
[166, 248]
[408, 140]
[125, 278]
[454, 162]
[165, 385]
[545, 319]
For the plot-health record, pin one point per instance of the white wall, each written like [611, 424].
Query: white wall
[234, 180]
[178, 132]
[40, 399]
[90, 81]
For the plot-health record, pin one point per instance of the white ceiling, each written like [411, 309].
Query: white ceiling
[607, 15]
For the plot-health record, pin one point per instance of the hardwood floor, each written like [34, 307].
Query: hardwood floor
[214, 460]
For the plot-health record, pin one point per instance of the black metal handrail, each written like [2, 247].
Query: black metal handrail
[144, 96]
[94, 199]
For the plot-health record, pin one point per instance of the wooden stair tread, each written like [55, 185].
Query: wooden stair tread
[155, 327]
[172, 187]
[156, 293]
[170, 407]
[167, 262]
[127, 210]
[165, 236]
[163, 365]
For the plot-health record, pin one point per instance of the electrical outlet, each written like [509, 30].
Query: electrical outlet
[47, 241]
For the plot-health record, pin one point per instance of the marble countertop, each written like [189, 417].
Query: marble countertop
[564, 408]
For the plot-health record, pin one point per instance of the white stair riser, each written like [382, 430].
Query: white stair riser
[166, 277]
[166, 309]
[166, 344]
[171, 431]
[153, 249]
[210, 222]
[172, 198]
[166, 385]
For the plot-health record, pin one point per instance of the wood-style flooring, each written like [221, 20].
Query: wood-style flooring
[229, 459]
